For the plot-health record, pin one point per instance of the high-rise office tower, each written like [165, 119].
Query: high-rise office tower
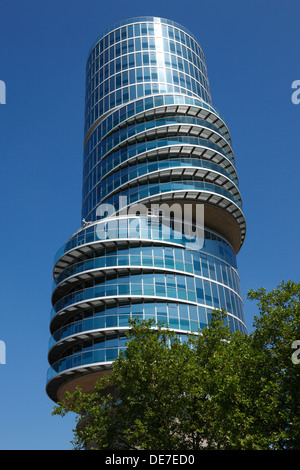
[151, 137]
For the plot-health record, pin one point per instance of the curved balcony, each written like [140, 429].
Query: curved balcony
[200, 170]
[134, 227]
[164, 105]
[199, 192]
[182, 316]
[159, 129]
[157, 284]
[180, 146]
[184, 124]
[148, 258]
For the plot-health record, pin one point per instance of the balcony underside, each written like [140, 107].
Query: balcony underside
[84, 378]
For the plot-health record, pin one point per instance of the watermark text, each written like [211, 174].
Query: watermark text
[296, 354]
[2, 352]
[181, 221]
[296, 94]
[2, 92]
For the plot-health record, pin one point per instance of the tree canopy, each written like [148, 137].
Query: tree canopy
[217, 390]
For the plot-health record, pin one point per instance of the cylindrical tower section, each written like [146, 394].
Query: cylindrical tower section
[153, 139]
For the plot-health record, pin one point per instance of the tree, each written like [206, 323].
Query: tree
[218, 390]
[276, 330]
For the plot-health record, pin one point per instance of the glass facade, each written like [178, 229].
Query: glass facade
[140, 59]
[151, 135]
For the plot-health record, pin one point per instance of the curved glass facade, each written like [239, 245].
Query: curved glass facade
[143, 58]
[152, 136]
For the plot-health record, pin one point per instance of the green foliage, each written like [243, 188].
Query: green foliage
[217, 391]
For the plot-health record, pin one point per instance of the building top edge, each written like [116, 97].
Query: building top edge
[140, 19]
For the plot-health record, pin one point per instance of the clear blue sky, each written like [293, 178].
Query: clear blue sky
[252, 54]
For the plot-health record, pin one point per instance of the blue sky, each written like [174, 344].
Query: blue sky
[251, 50]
